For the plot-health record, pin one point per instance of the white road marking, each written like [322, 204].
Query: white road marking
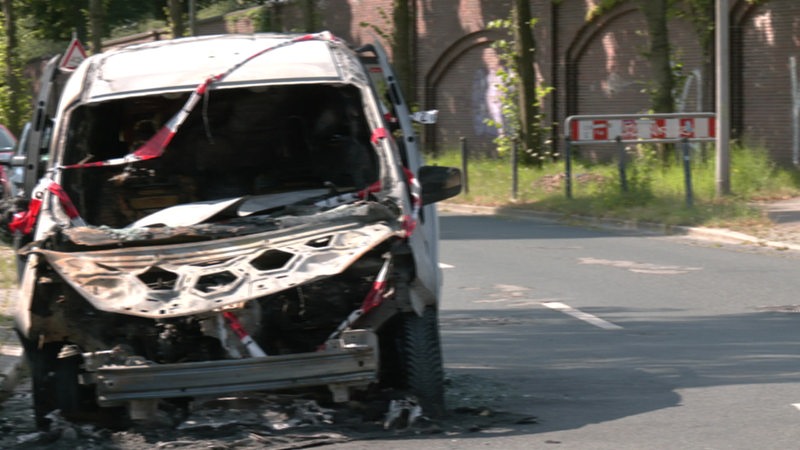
[653, 269]
[796, 405]
[586, 317]
[445, 266]
[511, 288]
[523, 304]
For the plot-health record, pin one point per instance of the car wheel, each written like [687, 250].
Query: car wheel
[41, 363]
[421, 359]
[55, 384]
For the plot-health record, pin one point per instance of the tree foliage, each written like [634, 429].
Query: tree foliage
[520, 94]
[660, 55]
[13, 101]
[56, 20]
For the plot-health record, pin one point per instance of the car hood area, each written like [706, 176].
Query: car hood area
[161, 281]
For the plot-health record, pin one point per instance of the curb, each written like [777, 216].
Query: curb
[703, 233]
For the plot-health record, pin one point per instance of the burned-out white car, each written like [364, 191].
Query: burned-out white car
[220, 214]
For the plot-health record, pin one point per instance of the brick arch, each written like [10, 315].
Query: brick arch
[740, 14]
[761, 97]
[442, 65]
[585, 36]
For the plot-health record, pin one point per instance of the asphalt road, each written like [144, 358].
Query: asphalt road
[560, 337]
[615, 341]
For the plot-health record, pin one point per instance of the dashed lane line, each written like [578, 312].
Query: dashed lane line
[586, 317]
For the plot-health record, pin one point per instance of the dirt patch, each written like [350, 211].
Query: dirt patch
[554, 183]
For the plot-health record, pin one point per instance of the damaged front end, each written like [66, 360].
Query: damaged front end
[263, 241]
[297, 305]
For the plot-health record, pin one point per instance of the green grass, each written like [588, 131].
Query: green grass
[8, 268]
[8, 278]
[656, 189]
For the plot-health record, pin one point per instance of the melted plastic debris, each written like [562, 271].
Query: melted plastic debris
[402, 414]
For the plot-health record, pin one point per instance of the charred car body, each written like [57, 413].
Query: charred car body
[224, 214]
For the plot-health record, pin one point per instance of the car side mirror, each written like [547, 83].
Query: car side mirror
[438, 183]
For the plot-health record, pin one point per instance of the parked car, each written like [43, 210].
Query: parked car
[261, 228]
[8, 143]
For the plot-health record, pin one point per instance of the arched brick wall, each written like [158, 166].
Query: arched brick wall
[767, 38]
[596, 67]
[460, 85]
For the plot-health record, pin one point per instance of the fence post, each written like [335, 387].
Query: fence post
[687, 172]
[568, 167]
[514, 167]
[464, 165]
[623, 179]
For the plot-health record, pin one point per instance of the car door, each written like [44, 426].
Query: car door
[424, 241]
[33, 152]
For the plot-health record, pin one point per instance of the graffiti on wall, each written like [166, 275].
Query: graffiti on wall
[486, 95]
[485, 102]
[615, 82]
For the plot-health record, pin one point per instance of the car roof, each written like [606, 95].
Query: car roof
[182, 64]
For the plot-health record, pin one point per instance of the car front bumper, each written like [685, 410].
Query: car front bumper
[348, 362]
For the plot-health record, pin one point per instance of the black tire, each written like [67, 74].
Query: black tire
[421, 360]
[55, 384]
[41, 363]
[69, 397]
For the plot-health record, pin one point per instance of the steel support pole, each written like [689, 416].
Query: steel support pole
[464, 165]
[623, 177]
[568, 167]
[687, 172]
[514, 170]
[722, 34]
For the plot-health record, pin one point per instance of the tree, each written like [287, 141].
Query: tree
[403, 17]
[56, 20]
[398, 30]
[309, 16]
[520, 94]
[175, 13]
[525, 46]
[97, 15]
[13, 100]
[659, 55]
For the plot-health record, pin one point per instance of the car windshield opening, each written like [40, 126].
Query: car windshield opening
[242, 142]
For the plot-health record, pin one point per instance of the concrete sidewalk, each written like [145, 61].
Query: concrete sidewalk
[783, 234]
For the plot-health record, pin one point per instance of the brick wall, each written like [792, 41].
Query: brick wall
[595, 68]
[770, 37]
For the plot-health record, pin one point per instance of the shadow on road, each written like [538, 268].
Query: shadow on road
[569, 376]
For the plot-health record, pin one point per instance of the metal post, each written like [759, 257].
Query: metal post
[514, 170]
[623, 178]
[687, 172]
[722, 34]
[464, 165]
[568, 167]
